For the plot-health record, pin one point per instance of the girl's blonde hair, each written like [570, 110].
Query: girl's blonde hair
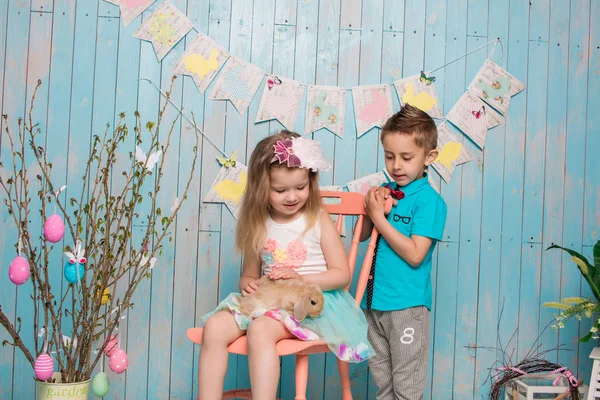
[251, 228]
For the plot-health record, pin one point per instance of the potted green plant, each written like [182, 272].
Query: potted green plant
[580, 306]
[94, 230]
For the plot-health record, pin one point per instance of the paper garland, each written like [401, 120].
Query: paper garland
[325, 108]
[372, 107]
[495, 86]
[201, 60]
[451, 153]
[229, 187]
[165, 28]
[472, 116]
[362, 185]
[238, 83]
[131, 9]
[419, 93]
[281, 101]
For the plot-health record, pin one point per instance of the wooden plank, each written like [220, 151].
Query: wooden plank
[444, 325]
[188, 241]
[435, 29]
[3, 31]
[38, 67]
[285, 12]
[446, 302]
[414, 38]
[491, 220]
[529, 295]
[575, 172]
[157, 302]
[14, 97]
[214, 119]
[554, 177]
[394, 15]
[351, 13]
[512, 197]
[591, 220]
[42, 6]
[207, 283]
[110, 10]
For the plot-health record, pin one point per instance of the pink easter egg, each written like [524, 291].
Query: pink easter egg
[111, 344]
[118, 361]
[18, 272]
[43, 367]
[54, 228]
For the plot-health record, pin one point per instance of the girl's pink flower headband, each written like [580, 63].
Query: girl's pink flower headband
[301, 152]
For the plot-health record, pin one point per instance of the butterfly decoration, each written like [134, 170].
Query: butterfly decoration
[147, 161]
[228, 162]
[479, 113]
[425, 79]
[272, 81]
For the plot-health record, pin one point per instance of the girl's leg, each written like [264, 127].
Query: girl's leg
[219, 331]
[263, 335]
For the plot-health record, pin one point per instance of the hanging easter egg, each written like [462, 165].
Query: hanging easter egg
[74, 272]
[74, 267]
[111, 344]
[100, 385]
[18, 272]
[54, 228]
[118, 361]
[43, 367]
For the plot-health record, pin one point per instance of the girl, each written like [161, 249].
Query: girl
[283, 233]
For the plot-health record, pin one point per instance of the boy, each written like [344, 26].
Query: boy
[397, 302]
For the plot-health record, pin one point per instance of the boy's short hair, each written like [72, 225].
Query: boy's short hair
[412, 121]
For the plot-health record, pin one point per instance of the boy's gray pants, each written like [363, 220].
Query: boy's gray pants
[401, 343]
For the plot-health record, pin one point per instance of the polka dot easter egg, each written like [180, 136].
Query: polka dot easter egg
[43, 367]
[118, 361]
[111, 345]
[54, 228]
[18, 272]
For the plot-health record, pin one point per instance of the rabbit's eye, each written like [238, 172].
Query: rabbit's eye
[314, 303]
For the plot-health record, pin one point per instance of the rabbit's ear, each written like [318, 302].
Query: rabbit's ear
[301, 308]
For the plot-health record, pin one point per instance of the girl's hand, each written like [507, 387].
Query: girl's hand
[284, 273]
[250, 288]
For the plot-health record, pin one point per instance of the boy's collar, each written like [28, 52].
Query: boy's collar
[413, 187]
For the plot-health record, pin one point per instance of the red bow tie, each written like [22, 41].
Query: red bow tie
[396, 193]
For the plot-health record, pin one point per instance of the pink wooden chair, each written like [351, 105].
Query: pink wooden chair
[349, 204]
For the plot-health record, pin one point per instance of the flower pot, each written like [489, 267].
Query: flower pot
[62, 391]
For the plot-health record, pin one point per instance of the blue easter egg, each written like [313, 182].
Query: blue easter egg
[71, 272]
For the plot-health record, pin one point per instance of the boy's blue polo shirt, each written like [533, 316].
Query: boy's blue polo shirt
[397, 285]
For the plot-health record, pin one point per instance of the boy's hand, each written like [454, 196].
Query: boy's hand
[250, 288]
[284, 273]
[374, 202]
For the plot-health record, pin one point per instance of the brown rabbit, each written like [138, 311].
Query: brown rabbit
[292, 295]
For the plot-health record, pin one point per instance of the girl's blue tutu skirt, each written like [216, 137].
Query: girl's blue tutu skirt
[342, 325]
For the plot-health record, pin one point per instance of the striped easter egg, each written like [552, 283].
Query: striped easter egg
[43, 367]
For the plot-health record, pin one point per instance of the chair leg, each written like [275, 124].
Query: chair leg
[237, 394]
[343, 369]
[301, 376]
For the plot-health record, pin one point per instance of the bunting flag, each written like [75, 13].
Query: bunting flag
[419, 91]
[472, 116]
[325, 108]
[495, 86]
[229, 185]
[165, 28]
[362, 185]
[281, 101]
[201, 60]
[238, 83]
[372, 107]
[131, 9]
[451, 153]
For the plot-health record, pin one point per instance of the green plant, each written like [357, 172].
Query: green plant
[117, 182]
[580, 306]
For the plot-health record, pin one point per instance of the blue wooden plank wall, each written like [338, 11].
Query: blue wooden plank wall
[537, 183]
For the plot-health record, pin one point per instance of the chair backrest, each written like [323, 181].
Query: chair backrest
[353, 204]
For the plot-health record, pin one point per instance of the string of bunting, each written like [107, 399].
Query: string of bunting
[483, 106]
